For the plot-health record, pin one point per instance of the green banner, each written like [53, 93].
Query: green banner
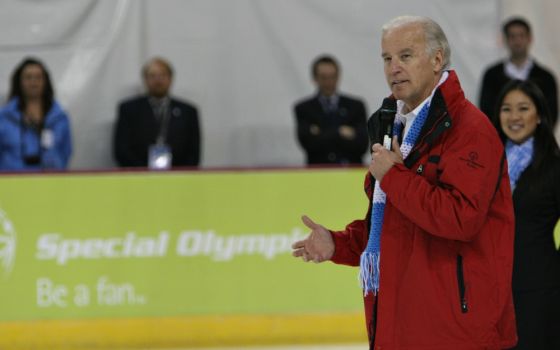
[171, 244]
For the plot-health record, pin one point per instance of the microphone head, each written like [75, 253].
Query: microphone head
[379, 127]
[389, 106]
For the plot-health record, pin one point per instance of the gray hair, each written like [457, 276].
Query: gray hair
[434, 35]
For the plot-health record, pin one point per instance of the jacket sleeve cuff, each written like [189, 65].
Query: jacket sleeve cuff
[343, 255]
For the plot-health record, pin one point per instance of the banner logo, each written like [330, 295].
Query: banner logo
[7, 243]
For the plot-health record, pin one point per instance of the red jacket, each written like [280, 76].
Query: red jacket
[447, 239]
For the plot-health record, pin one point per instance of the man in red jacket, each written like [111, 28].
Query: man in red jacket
[436, 248]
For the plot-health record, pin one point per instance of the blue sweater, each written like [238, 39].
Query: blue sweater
[53, 146]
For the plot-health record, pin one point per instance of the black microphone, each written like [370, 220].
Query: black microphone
[387, 119]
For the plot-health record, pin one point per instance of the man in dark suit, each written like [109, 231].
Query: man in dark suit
[150, 123]
[331, 127]
[517, 37]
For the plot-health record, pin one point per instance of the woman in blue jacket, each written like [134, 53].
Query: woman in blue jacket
[34, 130]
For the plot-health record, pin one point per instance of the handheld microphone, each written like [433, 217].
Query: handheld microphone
[387, 119]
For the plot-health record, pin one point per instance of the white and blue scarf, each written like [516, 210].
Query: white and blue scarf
[369, 261]
[519, 157]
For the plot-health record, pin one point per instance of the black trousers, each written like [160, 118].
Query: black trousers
[538, 319]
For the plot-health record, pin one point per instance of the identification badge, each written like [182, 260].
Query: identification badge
[159, 157]
[47, 138]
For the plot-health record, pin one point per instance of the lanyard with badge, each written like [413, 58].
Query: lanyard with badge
[159, 154]
[46, 141]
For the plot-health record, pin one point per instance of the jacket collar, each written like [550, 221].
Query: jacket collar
[448, 97]
[12, 107]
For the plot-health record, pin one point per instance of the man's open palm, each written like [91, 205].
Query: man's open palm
[318, 246]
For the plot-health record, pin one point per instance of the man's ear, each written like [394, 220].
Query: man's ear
[437, 61]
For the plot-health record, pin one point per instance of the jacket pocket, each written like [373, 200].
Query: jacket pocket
[461, 284]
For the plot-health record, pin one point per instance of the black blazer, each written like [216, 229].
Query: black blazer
[495, 79]
[137, 129]
[328, 147]
[536, 263]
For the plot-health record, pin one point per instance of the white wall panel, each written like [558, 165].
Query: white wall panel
[242, 62]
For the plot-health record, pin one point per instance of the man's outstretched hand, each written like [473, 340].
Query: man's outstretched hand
[318, 246]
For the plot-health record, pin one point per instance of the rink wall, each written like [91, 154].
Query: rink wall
[177, 259]
[132, 260]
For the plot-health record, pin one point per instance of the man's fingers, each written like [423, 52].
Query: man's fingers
[299, 244]
[396, 147]
[301, 253]
[319, 258]
[298, 252]
[376, 147]
[309, 223]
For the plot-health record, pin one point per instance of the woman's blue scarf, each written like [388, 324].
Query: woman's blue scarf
[519, 157]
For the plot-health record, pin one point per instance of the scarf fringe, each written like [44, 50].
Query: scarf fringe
[369, 272]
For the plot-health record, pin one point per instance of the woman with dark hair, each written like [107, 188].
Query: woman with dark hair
[525, 126]
[34, 130]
